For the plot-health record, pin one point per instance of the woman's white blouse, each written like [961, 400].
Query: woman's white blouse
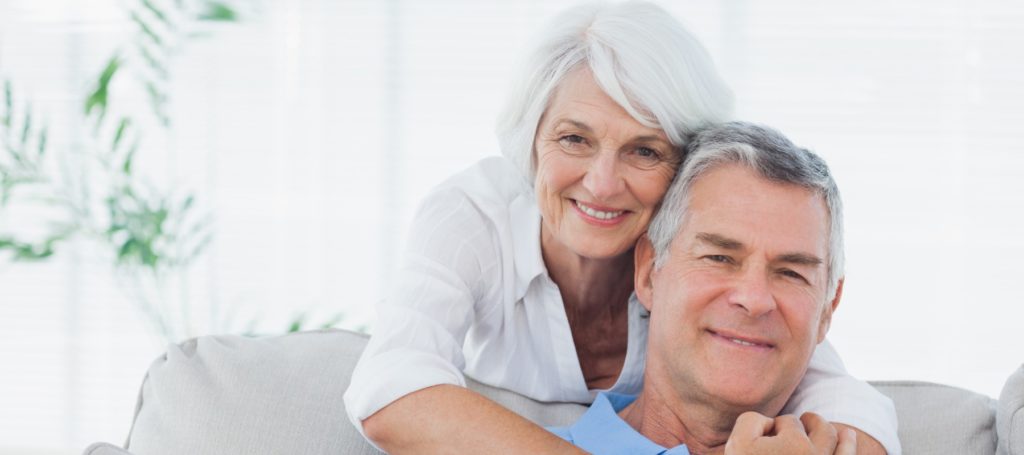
[473, 297]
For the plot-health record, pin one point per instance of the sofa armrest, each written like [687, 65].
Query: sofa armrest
[1010, 416]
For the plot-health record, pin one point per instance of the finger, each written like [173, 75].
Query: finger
[822, 433]
[847, 442]
[789, 426]
[749, 426]
[752, 424]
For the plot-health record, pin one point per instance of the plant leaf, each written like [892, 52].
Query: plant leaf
[157, 100]
[218, 12]
[127, 166]
[146, 29]
[27, 127]
[119, 134]
[156, 12]
[8, 103]
[296, 324]
[98, 98]
[333, 322]
[154, 63]
[41, 148]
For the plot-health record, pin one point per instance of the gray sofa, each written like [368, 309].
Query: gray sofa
[283, 395]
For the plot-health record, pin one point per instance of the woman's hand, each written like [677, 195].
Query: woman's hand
[757, 434]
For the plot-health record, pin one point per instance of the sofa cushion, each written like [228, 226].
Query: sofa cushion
[103, 448]
[235, 395]
[1010, 415]
[935, 418]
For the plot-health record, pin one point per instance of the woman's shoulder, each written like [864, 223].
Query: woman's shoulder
[494, 180]
[480, 201]
[473, 222]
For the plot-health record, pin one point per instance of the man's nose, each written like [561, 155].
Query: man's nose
[604, 179]
[752, 293]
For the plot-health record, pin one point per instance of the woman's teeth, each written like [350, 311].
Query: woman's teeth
[601, 215]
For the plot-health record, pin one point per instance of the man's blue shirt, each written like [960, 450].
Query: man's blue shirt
[600, 430]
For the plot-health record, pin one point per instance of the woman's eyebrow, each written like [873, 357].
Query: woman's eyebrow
[575, 123]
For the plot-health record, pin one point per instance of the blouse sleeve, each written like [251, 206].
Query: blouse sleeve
[418, 338]
[829, 391]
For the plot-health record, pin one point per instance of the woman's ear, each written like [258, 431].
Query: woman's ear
[643, 257]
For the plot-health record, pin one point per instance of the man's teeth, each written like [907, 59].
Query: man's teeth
[597, 213]
[744, 343]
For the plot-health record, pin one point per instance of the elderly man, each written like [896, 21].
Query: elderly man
[741, 272]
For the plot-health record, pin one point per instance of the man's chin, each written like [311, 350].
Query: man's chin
[746, 392]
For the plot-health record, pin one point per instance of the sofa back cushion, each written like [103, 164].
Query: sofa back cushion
[234, 395]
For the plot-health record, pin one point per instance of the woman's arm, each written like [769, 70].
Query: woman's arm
[407, 392]
[829, 391]
[452, 419]
[866, 445]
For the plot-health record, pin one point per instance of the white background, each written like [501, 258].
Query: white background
[311, 129]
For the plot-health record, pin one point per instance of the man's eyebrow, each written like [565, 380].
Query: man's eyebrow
[726, 243]
[722, 242]
[800, 259]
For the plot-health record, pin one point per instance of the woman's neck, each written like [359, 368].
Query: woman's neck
[588, 285]
[595, 295]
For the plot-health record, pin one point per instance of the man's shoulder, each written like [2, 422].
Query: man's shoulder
[601, 430]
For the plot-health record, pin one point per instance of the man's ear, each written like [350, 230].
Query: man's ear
[643, 257]
[826, 316]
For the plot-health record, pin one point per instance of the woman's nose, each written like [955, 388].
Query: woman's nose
[604, 180]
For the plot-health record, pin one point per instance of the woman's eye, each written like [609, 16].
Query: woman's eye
[645, 157]
[572, 139]
[647, 152]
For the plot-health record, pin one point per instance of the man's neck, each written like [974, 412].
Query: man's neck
[667, 421]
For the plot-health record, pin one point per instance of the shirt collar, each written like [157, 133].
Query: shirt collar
[529, 263]
[601, 430]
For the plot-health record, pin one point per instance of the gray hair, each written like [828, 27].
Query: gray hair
[772, 156]
[639, 55]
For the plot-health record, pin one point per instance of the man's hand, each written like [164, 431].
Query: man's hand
[811, 434]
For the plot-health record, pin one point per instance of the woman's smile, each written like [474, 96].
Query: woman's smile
[599, 215]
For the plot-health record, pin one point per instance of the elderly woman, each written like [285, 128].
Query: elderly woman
[519, 271]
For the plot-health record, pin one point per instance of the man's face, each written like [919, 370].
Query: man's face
[740, 304]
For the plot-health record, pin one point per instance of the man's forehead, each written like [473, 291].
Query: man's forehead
[732, 206]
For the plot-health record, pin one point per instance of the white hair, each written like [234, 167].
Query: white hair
[641, 56]
[773, 157]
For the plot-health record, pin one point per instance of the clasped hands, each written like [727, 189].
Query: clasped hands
[755, 433]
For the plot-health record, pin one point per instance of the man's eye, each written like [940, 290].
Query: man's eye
[794, 275]
[719, 258]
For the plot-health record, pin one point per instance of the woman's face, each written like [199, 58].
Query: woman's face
[600, 173]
